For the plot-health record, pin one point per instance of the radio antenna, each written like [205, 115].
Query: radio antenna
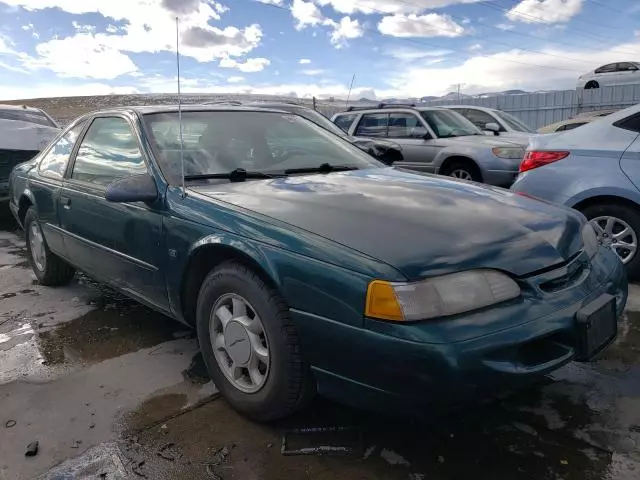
[184, 190]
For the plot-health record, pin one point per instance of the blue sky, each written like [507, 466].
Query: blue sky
[400, 48]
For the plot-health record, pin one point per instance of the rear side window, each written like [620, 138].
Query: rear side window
[54, 163]
[345, 121]
[373, 125]
[626, 66]
[630, 123]
[570, 126]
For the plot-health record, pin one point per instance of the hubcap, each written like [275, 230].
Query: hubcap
[461, 174]
[36, 245]
[239, 343]
[617, 235]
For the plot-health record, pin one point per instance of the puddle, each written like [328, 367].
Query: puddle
[156, 409]
[103, 334]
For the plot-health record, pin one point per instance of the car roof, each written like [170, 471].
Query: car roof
[475, 107]
[6, 106]
[388, 107]
[149, 109]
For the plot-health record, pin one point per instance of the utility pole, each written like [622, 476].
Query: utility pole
[353, 79]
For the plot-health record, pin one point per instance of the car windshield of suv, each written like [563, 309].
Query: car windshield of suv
[513, 122]
[28, 116]
[447, 124]
[217, 142]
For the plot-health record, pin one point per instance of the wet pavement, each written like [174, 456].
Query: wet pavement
[113, 390]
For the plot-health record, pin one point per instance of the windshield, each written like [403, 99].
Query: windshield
[447, 123]
[268, 142]
[513, 122]
[321, 120]
[29, 116]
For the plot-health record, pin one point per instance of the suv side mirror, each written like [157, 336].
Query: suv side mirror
[492, 127]
[136, 188]
[427, 136]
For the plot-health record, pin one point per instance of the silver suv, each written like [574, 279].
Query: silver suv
[437, 140]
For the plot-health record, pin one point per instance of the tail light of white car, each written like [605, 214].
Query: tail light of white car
[538, 158]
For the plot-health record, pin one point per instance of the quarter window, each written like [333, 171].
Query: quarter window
[405, 125]
[630, 123]
[109, 151]
[54, 163]
[626, 66]
[345, 121]
[480, 118]
[373, 125]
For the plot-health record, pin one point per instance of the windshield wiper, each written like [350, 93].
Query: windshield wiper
[322, 168]
[237, 175]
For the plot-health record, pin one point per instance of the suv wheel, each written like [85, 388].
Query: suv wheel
[463, 170]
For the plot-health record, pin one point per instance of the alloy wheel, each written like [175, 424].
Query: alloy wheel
[461, 173]
[239, 343]
[36, 245]
[618, 235]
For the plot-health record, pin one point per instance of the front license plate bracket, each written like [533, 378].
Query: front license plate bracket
[596, 327]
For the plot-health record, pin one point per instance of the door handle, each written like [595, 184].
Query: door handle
[66, 202]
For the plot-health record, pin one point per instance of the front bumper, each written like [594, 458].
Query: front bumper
[387, 365]
[500, 178]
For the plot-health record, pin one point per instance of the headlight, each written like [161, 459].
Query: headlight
[508, 152]
[590, 240]
[438, 296]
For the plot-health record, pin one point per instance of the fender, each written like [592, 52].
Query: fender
[624, 193]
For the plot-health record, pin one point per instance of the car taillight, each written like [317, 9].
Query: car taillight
[534, 159]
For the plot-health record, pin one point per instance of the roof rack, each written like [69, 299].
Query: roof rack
[382, 105]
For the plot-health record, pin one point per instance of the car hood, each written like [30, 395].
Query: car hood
[418, 223]
[484, 140]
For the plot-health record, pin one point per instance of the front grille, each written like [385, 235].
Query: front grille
[575, 271]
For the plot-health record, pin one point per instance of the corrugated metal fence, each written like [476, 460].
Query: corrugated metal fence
[540, 109]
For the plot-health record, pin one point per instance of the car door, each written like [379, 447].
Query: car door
[418, 149]
[46, 181]
[627, 73]
[119, 243]
[630, 160]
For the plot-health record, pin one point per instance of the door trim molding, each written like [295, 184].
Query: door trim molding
[136, 261]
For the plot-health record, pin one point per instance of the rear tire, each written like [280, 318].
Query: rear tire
[50, 270]
[591, 84]
[463, 170]
[286, 384]
[629, 216]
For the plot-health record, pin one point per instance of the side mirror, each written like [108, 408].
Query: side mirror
[427, 136]
[492, 127]
[137, 188]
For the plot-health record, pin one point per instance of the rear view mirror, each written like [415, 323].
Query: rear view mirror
[137, 188]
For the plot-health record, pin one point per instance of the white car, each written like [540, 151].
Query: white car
[621, 73]
[494, 121]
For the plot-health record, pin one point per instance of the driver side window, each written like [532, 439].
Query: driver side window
[54, 163]
[405, 125]
[109, 151]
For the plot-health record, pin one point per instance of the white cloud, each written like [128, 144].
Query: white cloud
[250, 65]
[475, 47]
[6, 45]
[278, 3]
[312, 72]
[307, 14]
[344, 30]
[505, 26]
[549, 11]
[304, 61]
[429, 25]
[83, 28]
[389, 6]
[81, 56]
[147, 27]
[236, 80]
[411, 54]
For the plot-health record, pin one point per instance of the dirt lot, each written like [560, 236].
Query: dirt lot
[112, 390]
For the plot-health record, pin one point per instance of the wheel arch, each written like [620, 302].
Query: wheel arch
[450, 160]
[210, 252]
[608, 199]
[24, 203]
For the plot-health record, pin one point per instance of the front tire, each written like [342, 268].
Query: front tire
[618, 227]
[591, 84]
[250, 345]
[50, 270]
[463, 170]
